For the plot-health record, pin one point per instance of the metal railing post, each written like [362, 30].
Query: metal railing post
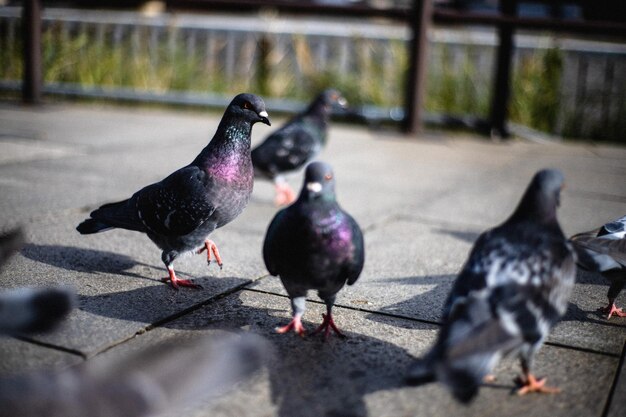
[31, 35]
[421, 17]
[502, 80]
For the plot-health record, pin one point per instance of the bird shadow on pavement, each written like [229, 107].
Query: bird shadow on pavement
[156, 304]
[84, 260]
[309, 377]
[149, 304]
[425, 306]
[428, 305]
[464, 235]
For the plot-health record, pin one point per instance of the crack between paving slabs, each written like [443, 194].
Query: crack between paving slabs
[432, 322]
[52, 346]
[182, 313]
[609, 398]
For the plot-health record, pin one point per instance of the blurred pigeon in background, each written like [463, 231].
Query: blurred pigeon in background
[314, 244]
[295, 144]
[604, 250]
[179, 212]
[511, 291]
[161, 378]
[30, 309]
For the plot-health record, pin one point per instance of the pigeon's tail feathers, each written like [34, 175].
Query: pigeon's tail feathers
[31, 310]
[471, 357]
[122, 214]
[470, 344]
[90, 226]
[464, 376]
[422, 372]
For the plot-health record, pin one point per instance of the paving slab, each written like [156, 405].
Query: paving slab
[19, 356]
[363, 374]
[117, 277]
[421, 203]
[618, 405]
[410, 269]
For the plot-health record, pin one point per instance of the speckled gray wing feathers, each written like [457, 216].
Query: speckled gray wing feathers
[291, 147]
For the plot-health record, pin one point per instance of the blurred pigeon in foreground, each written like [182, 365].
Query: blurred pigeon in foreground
[295, 144]
[604, 250]
[10, 243]
[179, 212]
[162, 378]
[30, 309]
[34, 309]
[511, 291]
[314, 244]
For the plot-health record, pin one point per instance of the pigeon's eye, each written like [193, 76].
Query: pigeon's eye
[247, 105]
[328, 177]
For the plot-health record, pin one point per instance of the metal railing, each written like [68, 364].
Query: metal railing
[416, 19]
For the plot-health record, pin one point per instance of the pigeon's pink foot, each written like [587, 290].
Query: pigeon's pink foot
[176, 283]
[489, 378]
[295, 324]
[284, 194]
[326, 325]
[211, 247]
[531, 384]
[613, 310]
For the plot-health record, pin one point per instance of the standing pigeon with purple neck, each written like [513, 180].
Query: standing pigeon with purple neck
[179, 212]
[295, 144]
[511, 291]
[604, 250]
[314, 245]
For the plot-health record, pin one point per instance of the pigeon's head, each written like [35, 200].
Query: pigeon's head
[542, 196]
[550, 182]
[250, 107]
[332, 97]
[319, 182]
[328, 99]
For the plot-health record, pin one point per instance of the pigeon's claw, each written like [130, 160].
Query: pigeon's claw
[613, 310]
[177, 283]
[284, 194]
[531, 384]
[211, 247]
[295, 324]
[327, 324]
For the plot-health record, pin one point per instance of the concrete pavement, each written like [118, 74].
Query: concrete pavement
[420, 202]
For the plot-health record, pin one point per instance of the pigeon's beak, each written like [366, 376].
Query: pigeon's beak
[265, 118]
[343, 103]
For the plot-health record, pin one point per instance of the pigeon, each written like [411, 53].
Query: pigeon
[314, 244]
[604, 250]
[34, 309]
[295, 144]
[30, 309]
[512, 290]
[166, 377]
[179, 212]
[10, 242]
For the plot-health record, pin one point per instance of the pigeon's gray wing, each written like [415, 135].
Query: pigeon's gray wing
[274, 241]
[162, 378]
[287, 149]
[177, 205]
[34, 309]
[472, 276]
[355, 265]
[614, 249]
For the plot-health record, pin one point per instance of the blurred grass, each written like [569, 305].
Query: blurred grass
[456, 85]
